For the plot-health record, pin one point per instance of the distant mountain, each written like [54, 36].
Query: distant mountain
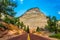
[34, 18]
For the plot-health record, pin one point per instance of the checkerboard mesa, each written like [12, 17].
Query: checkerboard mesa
[34, 17]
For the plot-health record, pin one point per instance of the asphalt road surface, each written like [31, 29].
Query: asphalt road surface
[21, 37]
[32, 37]
[35, 37]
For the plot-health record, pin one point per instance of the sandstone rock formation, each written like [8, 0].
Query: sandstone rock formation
[34, 17]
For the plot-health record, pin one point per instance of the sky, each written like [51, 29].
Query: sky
[48, 7]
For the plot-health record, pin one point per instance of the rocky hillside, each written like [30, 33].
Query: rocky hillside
[34, 18]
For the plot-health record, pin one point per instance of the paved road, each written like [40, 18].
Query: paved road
[35, 37]
[32, 37]
[21, 37]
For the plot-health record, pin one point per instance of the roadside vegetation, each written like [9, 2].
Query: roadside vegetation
[53, 27]
[7, 10]
[38, 29]
[7, 17]
[55, 35]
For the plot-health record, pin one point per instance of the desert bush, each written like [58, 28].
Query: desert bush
[38, 29]
[55, 36]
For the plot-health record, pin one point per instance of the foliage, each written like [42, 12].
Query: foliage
[18, 24]
[55, 36]
[17, 21]
[1, 26]
[58, 30]
[38, 29]
[7, 7]
[52, 24]
[22, 25]
[49, 28]
[27, 30]
[8, 20]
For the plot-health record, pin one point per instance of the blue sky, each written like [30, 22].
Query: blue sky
[48, 7]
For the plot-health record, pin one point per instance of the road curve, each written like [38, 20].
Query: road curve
[35, 37]
[20, 37]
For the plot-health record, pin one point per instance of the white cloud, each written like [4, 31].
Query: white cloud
[21, 1]
[58, 12]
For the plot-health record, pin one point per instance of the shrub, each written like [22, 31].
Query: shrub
[22, 25]
[38, 29]
[55, 36]
[58, 30]
[48, 28]
[1, 26]
[27, 29]
[52, 24]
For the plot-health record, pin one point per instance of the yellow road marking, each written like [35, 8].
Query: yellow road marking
[28, 38]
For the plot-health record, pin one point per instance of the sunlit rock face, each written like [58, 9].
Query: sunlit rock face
[34, 18]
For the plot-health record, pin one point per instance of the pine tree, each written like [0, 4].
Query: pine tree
[52, 24]
[38, 29]
[54, 21]
[22, 25]
[7, 7]
[27, 29]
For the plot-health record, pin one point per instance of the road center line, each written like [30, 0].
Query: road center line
[28, 38]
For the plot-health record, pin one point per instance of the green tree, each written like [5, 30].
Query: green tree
[27, 29]
[7, 7]
[52, 24]
[1, 26]
[9, 20]
[17, 21]
[6, 19]
[18, 24]
[22, 25]
[38, 29]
